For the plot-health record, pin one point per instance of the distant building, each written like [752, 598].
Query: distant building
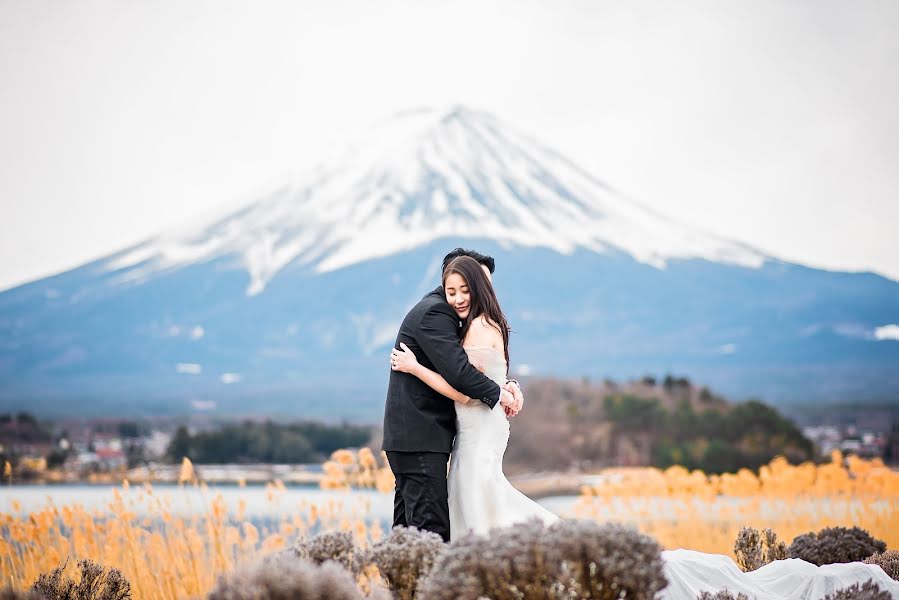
[157, 444]
[102, 459]
[111, 459]
[849, 440]
[826, 438]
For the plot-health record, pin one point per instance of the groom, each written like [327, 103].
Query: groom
[419, 423]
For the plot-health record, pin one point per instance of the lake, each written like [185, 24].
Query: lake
[260, 503]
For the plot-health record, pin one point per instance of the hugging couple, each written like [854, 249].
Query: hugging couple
[449, 399]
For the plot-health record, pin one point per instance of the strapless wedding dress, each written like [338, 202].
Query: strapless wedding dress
[480, 496]
[689, 573]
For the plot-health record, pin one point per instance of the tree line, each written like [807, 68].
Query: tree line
[746, 435]
[266, 442]
[648, 421]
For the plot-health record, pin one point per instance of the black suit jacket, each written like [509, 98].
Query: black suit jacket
[416, 418]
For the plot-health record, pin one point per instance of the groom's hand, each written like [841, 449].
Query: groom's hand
[515, 390]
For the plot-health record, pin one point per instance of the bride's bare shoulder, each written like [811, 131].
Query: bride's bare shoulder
[484, 332]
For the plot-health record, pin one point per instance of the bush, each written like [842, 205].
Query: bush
[405, 557]
[472, 567]
[509, 563]
[888, 561]
[606, 561]
[333, 545]
[754, 549]
[569, 559]
[866, 591]
[835, 545]
[521, 557]
[96, 583]
[286, 578]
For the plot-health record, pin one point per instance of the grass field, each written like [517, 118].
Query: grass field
[168, 557]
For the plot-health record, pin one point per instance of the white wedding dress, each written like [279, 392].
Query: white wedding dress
[689, 573]
[480, 496]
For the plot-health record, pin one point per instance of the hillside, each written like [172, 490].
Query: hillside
[580, 424]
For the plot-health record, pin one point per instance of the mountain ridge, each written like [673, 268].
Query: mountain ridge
[408, 183]
[283, 304]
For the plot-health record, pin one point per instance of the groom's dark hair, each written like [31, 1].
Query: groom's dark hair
[485, 260]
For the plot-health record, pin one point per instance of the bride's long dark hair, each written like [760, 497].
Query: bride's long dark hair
[482, 298]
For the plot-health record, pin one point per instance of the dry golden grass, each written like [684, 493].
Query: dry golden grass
[163, 556]
[168, 557]
[685, 509]
[347, 469]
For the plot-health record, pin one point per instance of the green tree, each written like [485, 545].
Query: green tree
[179, 447]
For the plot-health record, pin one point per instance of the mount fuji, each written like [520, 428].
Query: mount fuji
[289, 305]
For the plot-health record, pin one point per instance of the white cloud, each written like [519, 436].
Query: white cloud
[810, 330]
[202, 404]
[887, 332]
[728, 348]
[228, 378]
[197, 332]
[851, 330]
[523, 370]
[189, 368]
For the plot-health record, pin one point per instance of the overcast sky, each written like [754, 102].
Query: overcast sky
[770, 122]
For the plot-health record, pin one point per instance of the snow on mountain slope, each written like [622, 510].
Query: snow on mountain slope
[421, 176]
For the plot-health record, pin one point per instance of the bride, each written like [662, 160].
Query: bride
[480, 496]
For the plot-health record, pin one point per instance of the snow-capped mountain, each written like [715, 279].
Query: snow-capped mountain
[289, 305]
[420, 177]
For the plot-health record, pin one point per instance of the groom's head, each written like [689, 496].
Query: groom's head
[486, 262]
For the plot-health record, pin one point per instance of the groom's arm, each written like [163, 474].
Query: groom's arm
[439, 339]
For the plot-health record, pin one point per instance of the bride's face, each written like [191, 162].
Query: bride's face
[457, 294]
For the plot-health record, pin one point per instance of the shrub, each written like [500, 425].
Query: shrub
[286, 578]
[509, 563]
[888, 561]
[866, 591]
[332, 545]
[405, 557]
[96, 583]
[835, 545]
[606, 561]
[754, 549]
[520, 555]
[570, 559]
[721, 595]
[460, 572]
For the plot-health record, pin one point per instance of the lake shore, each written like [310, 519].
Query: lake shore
[534, 485]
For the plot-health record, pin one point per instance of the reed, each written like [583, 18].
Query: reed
[165, 556]
[162, 555]
[689, 509]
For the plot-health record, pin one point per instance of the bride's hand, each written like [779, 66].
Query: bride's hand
[403, 360]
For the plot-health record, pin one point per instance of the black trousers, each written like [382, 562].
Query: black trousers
[420, 499]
